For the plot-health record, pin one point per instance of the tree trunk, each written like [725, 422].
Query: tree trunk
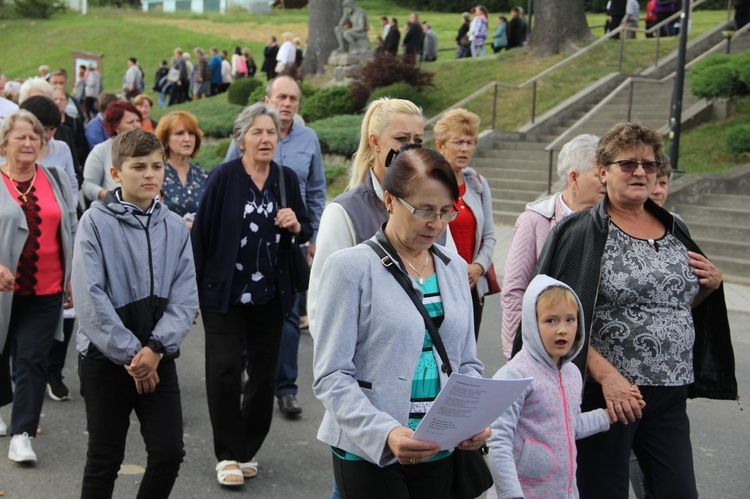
[559, 26]
[324, 16]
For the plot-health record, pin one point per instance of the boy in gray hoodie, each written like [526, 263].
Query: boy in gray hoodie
[532, 448]
[136, 297]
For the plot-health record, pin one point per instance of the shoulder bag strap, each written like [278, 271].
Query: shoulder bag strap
[282, 196]
[405, 283]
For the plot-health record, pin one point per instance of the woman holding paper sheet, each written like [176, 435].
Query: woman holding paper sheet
[376, 368]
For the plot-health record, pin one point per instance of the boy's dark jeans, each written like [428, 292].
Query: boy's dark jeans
[110, 395]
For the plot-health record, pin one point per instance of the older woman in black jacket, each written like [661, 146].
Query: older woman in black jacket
[654, 307]
[242, 237]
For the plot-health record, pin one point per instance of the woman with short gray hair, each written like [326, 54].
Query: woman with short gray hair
[248, 219]
[580, 190]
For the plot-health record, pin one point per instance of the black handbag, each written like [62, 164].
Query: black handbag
[471, 475]
[299, 269]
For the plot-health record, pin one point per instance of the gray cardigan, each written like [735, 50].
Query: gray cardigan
[96, 174]
[369, 340]
[13, 233]
[479, 200]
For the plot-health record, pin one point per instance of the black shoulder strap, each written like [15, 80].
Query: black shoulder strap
[282, 187]
[405, 283]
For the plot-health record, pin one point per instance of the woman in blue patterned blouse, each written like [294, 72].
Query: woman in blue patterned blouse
[183, 180]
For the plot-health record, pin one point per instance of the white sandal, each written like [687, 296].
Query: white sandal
[222, 474]
[249, 469]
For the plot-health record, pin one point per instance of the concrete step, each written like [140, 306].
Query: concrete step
[523, 145]
[517, 154]
[509, 206]
[505, 217]
[523, 185]
[512, 163]
[516, 174]
[514, 194]
[705, 214]
[726, 201]
[724, 248]
[731, 266]
[712, 231]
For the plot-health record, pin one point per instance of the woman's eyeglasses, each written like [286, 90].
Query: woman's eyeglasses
[429, 216]
[458, 144]
[629, 166]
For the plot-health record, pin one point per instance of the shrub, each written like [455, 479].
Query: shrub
[401, 90]
[308, 90]
[38, 9]
[212, 156]
[257, 95]
[384, 70]
[717, 81]
[240, 90]
[339, 134]
[741, 64]
[709, 62]
[328, 102]
[737, 139]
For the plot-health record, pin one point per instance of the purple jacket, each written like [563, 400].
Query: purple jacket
[529, 236]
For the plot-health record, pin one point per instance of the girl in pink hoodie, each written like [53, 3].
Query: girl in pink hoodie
[532, 449]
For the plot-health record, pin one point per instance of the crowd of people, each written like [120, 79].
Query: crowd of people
[113, 233]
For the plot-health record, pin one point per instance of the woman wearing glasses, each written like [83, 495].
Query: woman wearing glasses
[456, 137]
[655, 312]
[375, 368]
[355, 215]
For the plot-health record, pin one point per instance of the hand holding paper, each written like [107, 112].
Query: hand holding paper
[465, 407]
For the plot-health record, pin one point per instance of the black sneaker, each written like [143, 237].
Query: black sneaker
[56, 389]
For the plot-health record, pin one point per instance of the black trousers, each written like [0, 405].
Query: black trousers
[240, 429]
[660, 441]
[59, 350]
[110, 395]
[364, 480]
[33, 322]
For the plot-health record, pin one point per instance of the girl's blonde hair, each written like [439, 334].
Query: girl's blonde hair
[377, 117]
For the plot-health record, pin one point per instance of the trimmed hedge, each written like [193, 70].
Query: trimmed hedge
[717, 76]
[338, 134]
[240, 90]
[328, 102]
[401, 90]
[737, 139]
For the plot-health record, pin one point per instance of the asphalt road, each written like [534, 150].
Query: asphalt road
[293, 464]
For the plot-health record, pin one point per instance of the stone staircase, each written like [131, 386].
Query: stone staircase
[716, 209]
[516, 165]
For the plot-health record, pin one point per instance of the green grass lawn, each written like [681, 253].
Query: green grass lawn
[703, 149]
[120, 34]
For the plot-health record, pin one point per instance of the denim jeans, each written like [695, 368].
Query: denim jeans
[110, 395]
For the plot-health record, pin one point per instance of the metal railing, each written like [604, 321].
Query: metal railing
[630, 83]
[533, 81]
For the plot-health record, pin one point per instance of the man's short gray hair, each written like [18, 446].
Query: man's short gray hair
[579, 154]
[246, 118]
[199, 51]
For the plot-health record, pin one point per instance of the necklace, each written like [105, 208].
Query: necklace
[420, 278]
[31, 185]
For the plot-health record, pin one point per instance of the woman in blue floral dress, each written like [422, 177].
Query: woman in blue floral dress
[184, 181]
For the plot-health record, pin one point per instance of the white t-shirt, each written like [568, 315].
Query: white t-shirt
[633, 9]
[6, 107]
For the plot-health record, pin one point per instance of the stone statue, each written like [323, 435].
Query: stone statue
[351, 31]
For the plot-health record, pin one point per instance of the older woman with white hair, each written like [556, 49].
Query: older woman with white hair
[287, 54]
[249, 216]
[581, 189]
[35, 86]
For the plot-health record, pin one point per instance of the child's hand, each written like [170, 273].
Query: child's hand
[144, 363]
[635, 392]
[147, 384]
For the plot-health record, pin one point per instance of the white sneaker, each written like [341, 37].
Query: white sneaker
[3, 427]
[20, 449]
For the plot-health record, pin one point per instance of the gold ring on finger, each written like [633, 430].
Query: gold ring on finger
[413, 460]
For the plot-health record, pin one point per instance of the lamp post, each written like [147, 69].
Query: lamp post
[679, 83]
